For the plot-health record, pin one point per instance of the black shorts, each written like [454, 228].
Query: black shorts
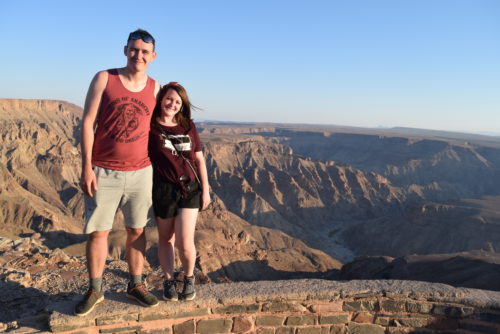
[167, 198]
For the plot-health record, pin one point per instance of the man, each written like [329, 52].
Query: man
[116, 170]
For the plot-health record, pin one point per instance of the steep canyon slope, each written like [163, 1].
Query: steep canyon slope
[405, 193]
[265, 183]
[456, 178]
[39, 170]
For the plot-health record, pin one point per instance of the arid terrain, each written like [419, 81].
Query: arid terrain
[290, 201]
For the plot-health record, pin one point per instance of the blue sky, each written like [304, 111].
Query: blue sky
[431, 64]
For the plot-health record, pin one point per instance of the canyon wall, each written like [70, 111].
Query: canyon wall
[288, 201]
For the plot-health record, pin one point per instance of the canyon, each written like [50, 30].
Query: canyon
[289, 201]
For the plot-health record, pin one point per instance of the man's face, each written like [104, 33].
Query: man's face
[139, 54]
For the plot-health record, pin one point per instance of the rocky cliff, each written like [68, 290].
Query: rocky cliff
[404, 193]
[441, 167]
[455, 177]
[265, 183]
[39, 171]
[288, 201]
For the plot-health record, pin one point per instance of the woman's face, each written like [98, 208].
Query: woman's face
[171, 103]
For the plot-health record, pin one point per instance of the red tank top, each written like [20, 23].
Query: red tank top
[121, 137]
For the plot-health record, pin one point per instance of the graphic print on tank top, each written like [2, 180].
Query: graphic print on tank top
[123, 124]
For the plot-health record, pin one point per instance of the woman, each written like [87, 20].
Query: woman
[180, 185]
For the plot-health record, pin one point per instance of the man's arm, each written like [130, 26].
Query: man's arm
[92, 102]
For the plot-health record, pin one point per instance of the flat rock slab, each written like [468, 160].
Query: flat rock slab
[117, 308]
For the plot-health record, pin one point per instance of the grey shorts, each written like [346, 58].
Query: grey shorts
[128, 190]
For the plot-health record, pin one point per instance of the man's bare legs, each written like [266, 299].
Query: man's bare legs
[97, 252]
[135, 248]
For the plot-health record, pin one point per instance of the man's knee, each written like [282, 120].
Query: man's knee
[97, 236]
[134, 232]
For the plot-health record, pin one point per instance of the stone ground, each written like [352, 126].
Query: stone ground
[33, 277]
[116, 305]
[39, 283]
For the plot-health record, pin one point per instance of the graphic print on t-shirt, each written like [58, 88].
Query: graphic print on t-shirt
[123, 124]
[182, 143]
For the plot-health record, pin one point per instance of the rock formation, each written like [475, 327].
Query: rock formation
[289, 202]
[39, 170]
[40, 193]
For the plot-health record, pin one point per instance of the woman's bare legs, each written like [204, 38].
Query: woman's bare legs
[166, 240]
[185, 223]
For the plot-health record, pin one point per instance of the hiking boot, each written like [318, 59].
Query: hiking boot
[188, 292]
[142, 295]
[169, 291]
[91, 299]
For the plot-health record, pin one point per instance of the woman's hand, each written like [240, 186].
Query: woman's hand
[205, 200]
[202, 170]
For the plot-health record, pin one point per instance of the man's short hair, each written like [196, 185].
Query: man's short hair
[141, 34]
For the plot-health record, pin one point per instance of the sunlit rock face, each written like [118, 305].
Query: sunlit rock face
[40, 166]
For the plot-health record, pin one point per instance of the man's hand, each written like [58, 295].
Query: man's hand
[88, 182]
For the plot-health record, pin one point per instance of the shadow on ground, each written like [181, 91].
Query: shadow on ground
[259, 270]
[474, 269]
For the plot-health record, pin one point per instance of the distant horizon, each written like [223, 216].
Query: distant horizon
[419, 64]
[380, 127]
[491, 134]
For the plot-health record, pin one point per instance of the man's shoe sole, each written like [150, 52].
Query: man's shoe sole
[91, 309]
[141, 302]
